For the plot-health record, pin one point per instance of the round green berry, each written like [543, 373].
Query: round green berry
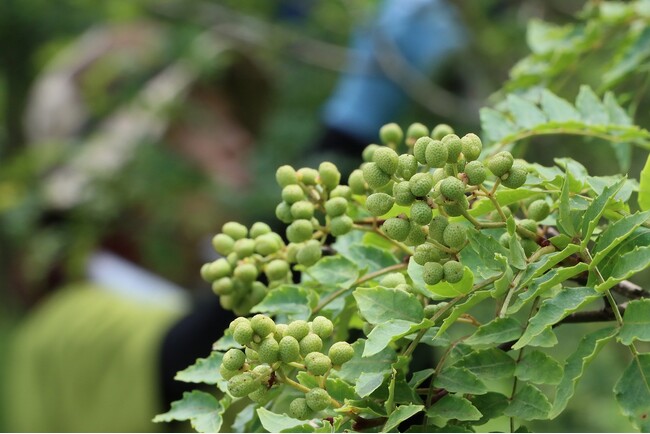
[342, 191]
[317, 399]
[289, 349]
[414, 132]
[234, 359]
[402, 193]
[336, 206]
[455, 235]
[234, 230]
[432, 309]
[341, 225]
[269, 350]
[391, 280]
[340, 352]
[436, 154]
[292, 193]
[267, 244]
[329, 174]
[476, 172]
[416, 235]
[386, 159]
[432, 273]
[391, 134]
[472, 146]
[223, 286]
[437, 227]
[530, 225]
[452, 188]
[223, 244]
[369, 151]
[426, 252]
[407, 166]
[242, 384]
[504, 240]
[357, 182]
[299, 231]
[516, 177]
[441, 130]
[303, 209]
[246, 272]
[308, 176]
[234, 323]
[454, 147]
[243, 333]
[283, 212]
[297, 329]
[244, 247]
[217, 269]
[260, 396]
[421, 184]
[286, 175]
[309, 253]
[317, 363]
[453, 271]
[310, 343]
[420, 149]
[251, 354]
[539, 210]
[262, 325]
[500, 163]
[456, 209]
[279, 331]
[374, 176]
[322, 326]
[276, 269]
[258, 229]
[379, 203]
[299, 409]
[226, 373]
[396, 228]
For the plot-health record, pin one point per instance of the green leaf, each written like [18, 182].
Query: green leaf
[364, 371]
[526, 114]
[460, 380]
[615, 234]
[633, 392]
[644, 187]
[419, 377]
[552, 310]
[627, 266]
[445, 289]
[545, 339]
[386, 332]
[273, 422]
[491, 405]
[590, 107]
[202, 410]
[490, 364]
[204, 371]
[636, 322]
[564, 221]
[495, 125]
[538, 367]
[368, 382]
[371, 258]
[401, 413]
[497, 331]
[289, 300]
[454, 407]
[529, 403]
[459, 309]
[516, 255]
[503, 197]
[546, 262]
[380, 304]
[558, 109]
[595, 210]
[575, 364]
[636, 54]
[335, 271]
[480, 254]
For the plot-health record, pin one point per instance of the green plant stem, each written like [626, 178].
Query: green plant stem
[327, 300]
[289, 382]
[513, 288]
[441, 246]
[376, 230]
[482, 225]
[495, 202]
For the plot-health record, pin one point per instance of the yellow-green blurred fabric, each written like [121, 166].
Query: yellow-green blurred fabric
[87, 360]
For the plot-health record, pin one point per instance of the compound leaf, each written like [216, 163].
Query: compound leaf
[202, 410]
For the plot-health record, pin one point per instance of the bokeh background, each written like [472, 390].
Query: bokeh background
[140, 127]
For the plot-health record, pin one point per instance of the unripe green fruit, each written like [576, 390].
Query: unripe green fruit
[223, 244]
[402, 193]
[317, 363]
[279, 331]
[529, 224]
[476, 172]
[416, 235]
[437, 176]
[261, 396]
[310, 343]
[276, 269]
[456, 209]
[283, 212]
[379, 203]
[322, 326]
[341, 225]
[226, 373]
[309, 253]
[452, 188]
[539, 210]
[432, 273]
[242, 384]
[391, 134]
[414, 132]
[307, 175]
[267, 244]
[234, 359]
[258, 229]
[269, 350]
[251, 354]
[421, 184]
[342, 191]
[297, 329]
[516, 177]
[223, 286]
[244, 247]
[227, 301]
[262, 325]
[246, 272]
[243, 333]
[216, 270]
[455, 235]
[386, 159]
[454, 147]
[407, 166]
[436, 154]
[234, 323]
[336, 206]
[440, 131]
[426, 253]
[374, 176]
[530, 246]
[369, 151]
[453, 271]
[317, 399]
[340, 352]
[234, 230]
[420, 149]
[391, 280]
[303, 209]
[257, 294]
[500, 163]
[472, 146]
[437, 227]
[432, 309]
[286, 175]
[329, 174]
[299, 231]
[289, 349]
[263, 373]
[504, 240]
[357, 182]
[292, 193]
[299, 409]
[396, 228]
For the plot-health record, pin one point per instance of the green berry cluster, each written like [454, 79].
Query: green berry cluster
[273, 352]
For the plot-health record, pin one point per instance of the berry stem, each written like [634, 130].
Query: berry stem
[376, 230]
[482, 225]
[493, 199]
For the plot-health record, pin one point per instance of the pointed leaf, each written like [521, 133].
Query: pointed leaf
[590, 107]
[546, 262]
[497, 331]
[460, 380]
[558, 109]
[378, 363]
[370, 258]
[539, 368]
[454, 407]
[627, 266]
[644, 187]
[274, 422]
[335, 271]
[204, 371]
[490, 364]
[386, 332]
[202, 410]
[289, 300]
[495, 125]
[615, 234]
[529, 404]
[633, 392]
[380, 304]
[480, 254]
[401, 413]
[459, 309]
[526, 114]
[636, 322]
[564, 221]
[595, 211]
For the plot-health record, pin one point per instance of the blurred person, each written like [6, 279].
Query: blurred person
[157, 136]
